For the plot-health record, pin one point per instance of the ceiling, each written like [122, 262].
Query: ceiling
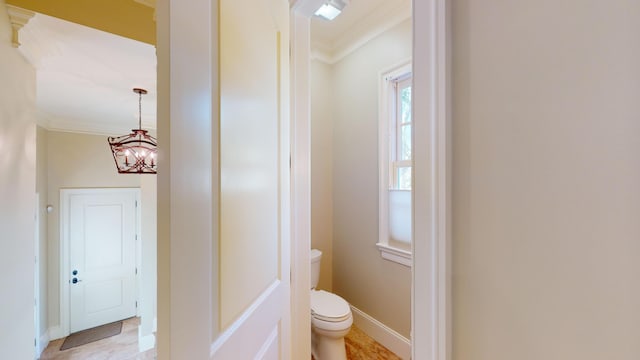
[359, 22]
[85, 77]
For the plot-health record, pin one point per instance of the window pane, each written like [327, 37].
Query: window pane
[405, 142]
[404, 178]
[405, 97]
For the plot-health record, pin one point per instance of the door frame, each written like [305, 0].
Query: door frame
[36, 285]
[65, 196]
[300, 22]
[431, 246]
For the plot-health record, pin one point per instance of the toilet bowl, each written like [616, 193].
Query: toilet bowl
[331, 318]
[331, 321]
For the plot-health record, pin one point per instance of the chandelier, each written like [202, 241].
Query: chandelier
[135, 153]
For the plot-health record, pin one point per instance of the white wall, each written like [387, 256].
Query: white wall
[42, 164]
[380, 288]
[17, 194]
[322, 169]
[546, 209]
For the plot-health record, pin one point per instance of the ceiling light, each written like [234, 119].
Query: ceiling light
[330, 9]
[135, 153]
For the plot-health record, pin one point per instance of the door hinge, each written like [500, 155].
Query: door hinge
[136, 304]
[136, 271]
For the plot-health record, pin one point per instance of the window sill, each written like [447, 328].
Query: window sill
[402, 257]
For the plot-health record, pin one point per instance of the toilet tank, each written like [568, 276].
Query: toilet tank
[315, 256]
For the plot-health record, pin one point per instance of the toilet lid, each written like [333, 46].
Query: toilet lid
[329, 307]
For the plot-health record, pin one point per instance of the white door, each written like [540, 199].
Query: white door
[223, 198]
[102, 257]
[254, 252]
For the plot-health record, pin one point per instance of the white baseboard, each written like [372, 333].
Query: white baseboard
[146, 342]
[381, 333]
[55, 332]
[43, 343]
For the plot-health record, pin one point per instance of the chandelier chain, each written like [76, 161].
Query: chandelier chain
[140, 110]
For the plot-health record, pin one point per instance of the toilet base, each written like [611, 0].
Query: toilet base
[327, 347]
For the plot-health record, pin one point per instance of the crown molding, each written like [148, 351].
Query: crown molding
[322, 52]
[35, 46]
[322, 56]
[377, 22]
[18, 17]
[53, 123]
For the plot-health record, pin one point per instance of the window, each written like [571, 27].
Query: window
[395, 164]
[400, 123]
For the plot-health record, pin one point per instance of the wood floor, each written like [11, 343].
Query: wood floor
[119, 347]
[361, 346]
[125, 347]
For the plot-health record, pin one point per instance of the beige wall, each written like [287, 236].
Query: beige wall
[42, 189]
[546, 208]
[17, 199]
[378, 287]
[321, 169]
[75, 161]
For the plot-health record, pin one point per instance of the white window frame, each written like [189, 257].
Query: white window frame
[399, 252]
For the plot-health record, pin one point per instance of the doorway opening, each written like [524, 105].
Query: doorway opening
[430, 280]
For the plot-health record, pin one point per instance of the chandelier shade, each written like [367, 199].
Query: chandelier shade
[135, 153]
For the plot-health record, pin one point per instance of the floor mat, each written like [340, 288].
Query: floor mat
[91, 335]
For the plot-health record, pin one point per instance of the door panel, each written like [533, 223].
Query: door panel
[102, 257]
[254, 180]
[103, 229]
[261, 330]
[249, 148]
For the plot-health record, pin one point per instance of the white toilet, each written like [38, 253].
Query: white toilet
[331, 318]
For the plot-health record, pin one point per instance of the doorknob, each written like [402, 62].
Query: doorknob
[75, 280]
